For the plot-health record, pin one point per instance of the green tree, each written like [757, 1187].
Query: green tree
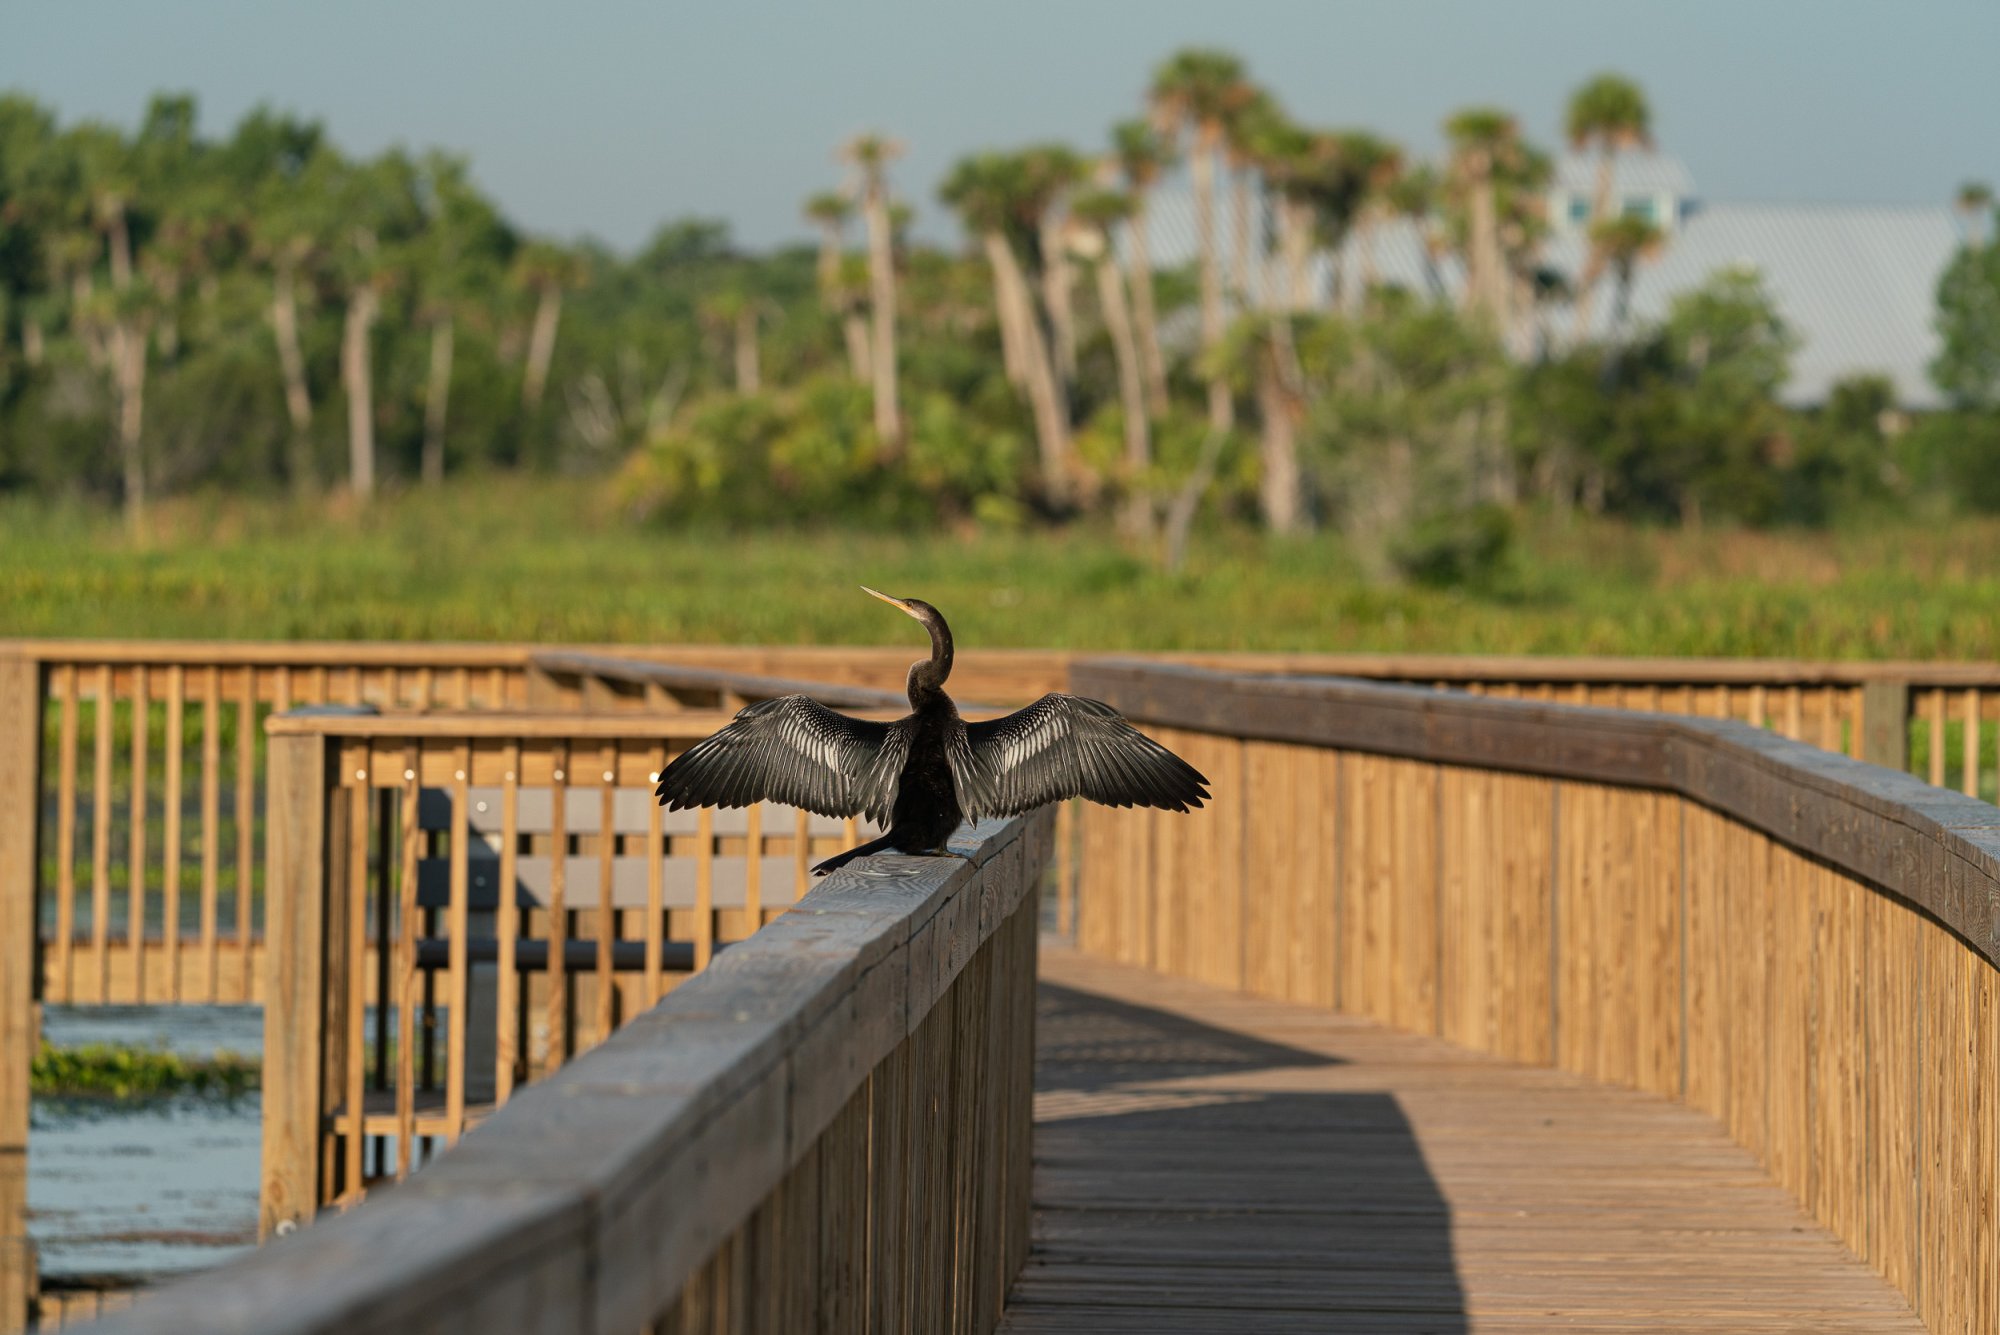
[1967, 367]
[871, 155]
[1195, 91]
[1095, 214]
[1608, 114]
[1142, 154]
[993, 193]
[831, 211]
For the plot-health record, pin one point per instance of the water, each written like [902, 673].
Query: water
[139, 1190]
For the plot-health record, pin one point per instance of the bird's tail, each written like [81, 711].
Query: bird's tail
[839, 860]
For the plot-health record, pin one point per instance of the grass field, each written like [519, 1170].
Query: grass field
[546, 560]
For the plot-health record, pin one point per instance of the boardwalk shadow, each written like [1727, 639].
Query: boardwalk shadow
[1193, 1178]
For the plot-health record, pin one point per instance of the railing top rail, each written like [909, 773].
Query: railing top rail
[1937, 849]
[508, 723]
[655, 1144]
[749, 685]
[1412, 667]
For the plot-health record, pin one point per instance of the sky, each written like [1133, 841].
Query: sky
[601, 118]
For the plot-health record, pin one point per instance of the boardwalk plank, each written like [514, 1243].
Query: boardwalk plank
[1208, 1161]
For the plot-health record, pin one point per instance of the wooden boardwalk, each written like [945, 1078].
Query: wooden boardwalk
[1205, 1161]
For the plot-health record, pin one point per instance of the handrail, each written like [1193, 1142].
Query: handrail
[1801, 945]
[742, 685]
[595, 1198]
[1938, 849]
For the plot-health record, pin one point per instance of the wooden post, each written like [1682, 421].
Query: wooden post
[1885, 724]
[20, 810]
[294, 988]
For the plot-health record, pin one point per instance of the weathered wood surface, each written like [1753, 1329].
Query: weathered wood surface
[1206, 1161]
[1937, 849]
[617, 1192]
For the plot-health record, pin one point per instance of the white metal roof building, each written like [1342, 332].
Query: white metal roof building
[1855, 283]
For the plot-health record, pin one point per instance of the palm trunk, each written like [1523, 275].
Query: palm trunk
[1240, 236]
[1600, 194]
[542, 345]
[1485, 279]
[1278, 486]
[1295, 244]
[437, 397]
[1586, 294]
[1051, 426]
[1201, 168]
[298, 400]
[121, 250]
[1140, 262]
[32, 346]
[1138, 517]
[129, 349]
[357, 377]
[854, 330]
[1056, 287]
[882, 297]
[748, 374]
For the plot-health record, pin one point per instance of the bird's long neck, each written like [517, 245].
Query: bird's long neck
[927, 677]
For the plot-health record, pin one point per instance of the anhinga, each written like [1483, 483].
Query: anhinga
[930, 769]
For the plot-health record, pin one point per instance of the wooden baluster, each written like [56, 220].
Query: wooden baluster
[135, 858]
[607, 907]
[211, 824]
[1757, 716]
[352, 904]
[557, 1016]
[170, 906]
[246, 827]
[1937, 703]
[65, 979]
[458, 930]
[656, 877]
[408, 927]
[1829, 719]
[100, 838]
[1065, 870]
[704, 887]
[801, 855]
[1795, 725]
[753, 866]
[1970, 768]
[507, 918]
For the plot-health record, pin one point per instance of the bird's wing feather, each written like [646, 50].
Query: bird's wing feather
[1065, 746]
[796, 751]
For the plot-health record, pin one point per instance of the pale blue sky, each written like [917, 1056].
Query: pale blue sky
[600, 117]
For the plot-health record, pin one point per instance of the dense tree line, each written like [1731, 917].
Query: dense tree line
[263, 311]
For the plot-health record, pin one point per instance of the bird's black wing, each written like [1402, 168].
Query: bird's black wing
[796, 751]
[1066, 746]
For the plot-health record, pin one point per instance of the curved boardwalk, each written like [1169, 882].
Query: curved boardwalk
[1205, 1161]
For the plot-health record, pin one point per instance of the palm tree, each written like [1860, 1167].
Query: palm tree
[1052, 171]
[1142, 153]
[1610, 114]
[1284, 154]
[1196, 90]
[1251, 116]
[1377, 165]
[731, 315]
[830, 211]
[1413, 196]
[1094, 215]
[109, 176]
[1485, 141]
[545, 270]
[1623, 242]
[990, 191]
[871, 155]
[1260, 354]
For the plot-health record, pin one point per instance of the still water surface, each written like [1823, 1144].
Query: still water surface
[143, 1189]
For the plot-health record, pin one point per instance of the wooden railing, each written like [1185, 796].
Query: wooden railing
[1800, 944]
[462, 902]
[827, 1130]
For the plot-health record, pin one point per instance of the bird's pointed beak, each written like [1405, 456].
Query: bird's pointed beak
[896, 603]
